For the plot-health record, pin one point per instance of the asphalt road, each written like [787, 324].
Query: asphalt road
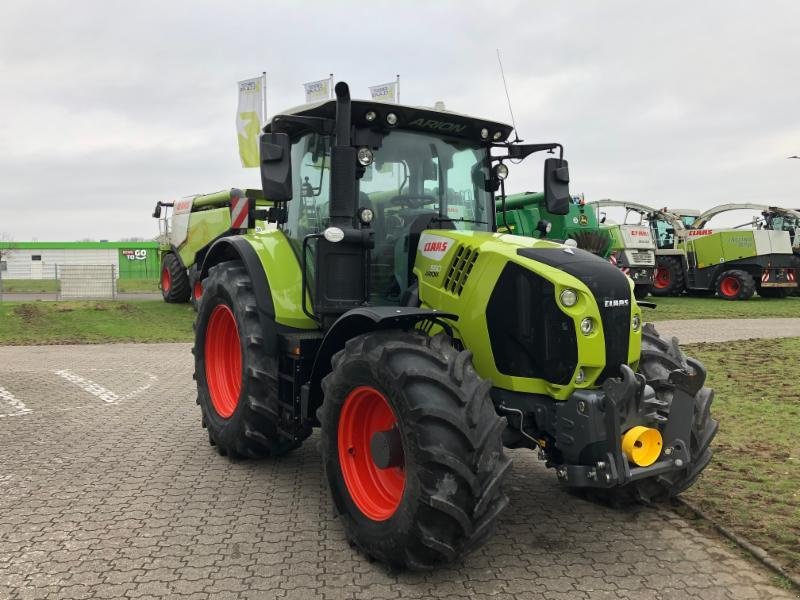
[693, 331]
[108, 489]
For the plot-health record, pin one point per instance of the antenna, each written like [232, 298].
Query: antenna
[508, 98]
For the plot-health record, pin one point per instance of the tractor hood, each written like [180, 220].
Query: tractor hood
[509, 290]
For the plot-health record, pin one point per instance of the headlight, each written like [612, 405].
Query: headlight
[501, 171]
[497, 135]
[365, 215]
[580, 377]
[391, 119]
[370, 116]
[484, 134]
[587, 326]
[569, 297]
[365, 156]
[636, 323]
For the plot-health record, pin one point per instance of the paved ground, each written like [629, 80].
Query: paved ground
[723, 330]
[109, 489]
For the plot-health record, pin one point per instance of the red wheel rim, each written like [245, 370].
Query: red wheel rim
[730, 286]
[223, 356]
[198, 290]
[376, 492]
[166, 279]
[662, 278]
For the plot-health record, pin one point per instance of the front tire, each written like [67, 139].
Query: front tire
[237, 387]
[668, 278]
[437, 494]
[659, 358]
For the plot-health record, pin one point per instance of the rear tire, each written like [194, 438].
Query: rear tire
[237, 386]
[196, 288]
[668, 277]
[449, 437]
[658, 359]
[174, 280]
[735, 285]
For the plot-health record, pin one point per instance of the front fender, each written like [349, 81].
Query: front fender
[354, 323]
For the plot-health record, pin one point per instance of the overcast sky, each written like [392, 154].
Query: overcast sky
[107, 107]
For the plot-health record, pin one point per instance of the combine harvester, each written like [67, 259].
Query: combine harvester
[630, 247]
[732, 263]
[387, 311]
[189, 226]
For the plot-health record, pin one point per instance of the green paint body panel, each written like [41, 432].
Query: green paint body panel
[284, 276]
[209, 219]
[524, 211]
[495, 250]
[204, 227]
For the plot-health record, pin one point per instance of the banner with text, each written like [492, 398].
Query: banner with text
[386, 92]
[317, 90]
[249, 117]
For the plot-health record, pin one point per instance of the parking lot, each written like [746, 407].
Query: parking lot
[109, 489]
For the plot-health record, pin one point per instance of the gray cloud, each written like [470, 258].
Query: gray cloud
[108, 107]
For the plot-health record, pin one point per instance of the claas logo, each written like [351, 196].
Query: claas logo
[696, 232]
[640, 232]
[435, 247]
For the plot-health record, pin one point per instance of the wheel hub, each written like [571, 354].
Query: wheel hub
[223, 358]
[166, 279]
[371, 453]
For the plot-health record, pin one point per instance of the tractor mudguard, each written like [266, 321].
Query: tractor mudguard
[354, 323]
[237, 248]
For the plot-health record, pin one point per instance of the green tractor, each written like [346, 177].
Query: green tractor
[732, 263]
[189, 226]
[630, 247]
[387, 311]
[773, 218]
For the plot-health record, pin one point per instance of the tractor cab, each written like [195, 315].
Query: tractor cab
[401, 171]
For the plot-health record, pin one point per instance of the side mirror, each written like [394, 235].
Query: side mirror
[157, 211]
[556, 186]
[276, 166]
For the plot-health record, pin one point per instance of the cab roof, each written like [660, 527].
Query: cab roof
[415, 118]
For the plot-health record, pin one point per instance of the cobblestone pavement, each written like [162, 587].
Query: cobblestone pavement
[108, 489]
[692, 331]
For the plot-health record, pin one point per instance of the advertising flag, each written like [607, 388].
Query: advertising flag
[249, 117]
[386, 92]
[318, 90]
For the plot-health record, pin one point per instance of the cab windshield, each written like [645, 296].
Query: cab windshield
[414, 178]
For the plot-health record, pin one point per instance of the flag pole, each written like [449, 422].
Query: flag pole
[398, 88]
[330, 88]
[264, 95]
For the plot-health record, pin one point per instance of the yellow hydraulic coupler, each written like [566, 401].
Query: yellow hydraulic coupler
[642, 445]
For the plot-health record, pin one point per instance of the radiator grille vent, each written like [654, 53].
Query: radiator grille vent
[460, 269]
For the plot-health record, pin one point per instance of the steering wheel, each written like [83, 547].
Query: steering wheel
[413, 200]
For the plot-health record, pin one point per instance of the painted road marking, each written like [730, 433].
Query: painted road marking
[16, 404]
[105, 394]
[87, 385]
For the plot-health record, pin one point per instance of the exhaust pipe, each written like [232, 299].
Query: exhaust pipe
[343, 164]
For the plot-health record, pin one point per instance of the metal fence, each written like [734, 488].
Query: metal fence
[86, 281]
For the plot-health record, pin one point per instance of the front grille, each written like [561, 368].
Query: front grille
[642, 257]
[530, 336]
[611, 291]
[460, 269]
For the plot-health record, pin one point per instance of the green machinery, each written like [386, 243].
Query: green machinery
[186, 234]
[387, 310]
[630, 247]
[732, 263]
